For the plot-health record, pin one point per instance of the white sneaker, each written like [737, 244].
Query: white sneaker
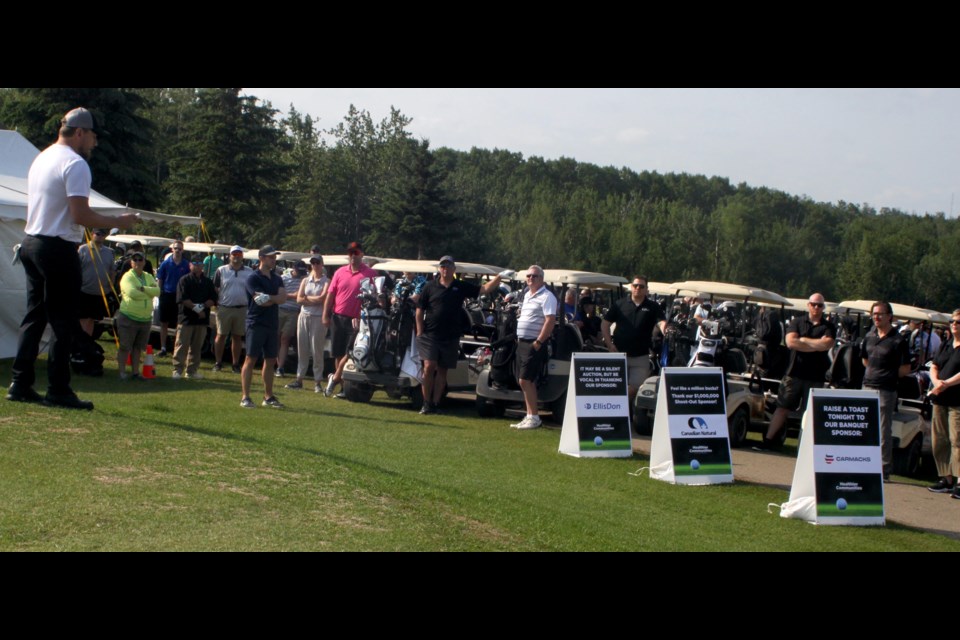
[195, 376]
[318, 388]
[530, 422]
[330, 385]
[177, 375]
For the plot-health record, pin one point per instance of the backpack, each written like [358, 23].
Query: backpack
[87, 357]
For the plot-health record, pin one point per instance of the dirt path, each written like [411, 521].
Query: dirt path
[906, 504]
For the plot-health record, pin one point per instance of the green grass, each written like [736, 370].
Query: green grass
[178, 465]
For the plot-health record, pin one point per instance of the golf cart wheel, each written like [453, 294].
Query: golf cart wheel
[739, 427]
[416, 398]
[557, 407]
[488, 409]
[642, 422]
[906, 461]
[357, 391]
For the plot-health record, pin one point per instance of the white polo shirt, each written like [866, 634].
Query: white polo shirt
[57, 174]
[534, 312]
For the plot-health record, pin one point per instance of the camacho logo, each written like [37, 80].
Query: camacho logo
[697, 423]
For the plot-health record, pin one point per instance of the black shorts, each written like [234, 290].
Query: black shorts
[793, 393]
[261, 341]
[342, 336]
[91, 307]
[444, 351]
[168, 308]
[530, 360]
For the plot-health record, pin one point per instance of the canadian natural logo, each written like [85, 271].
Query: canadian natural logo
[697, 423]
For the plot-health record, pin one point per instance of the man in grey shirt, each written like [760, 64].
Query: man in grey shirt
[97, 271]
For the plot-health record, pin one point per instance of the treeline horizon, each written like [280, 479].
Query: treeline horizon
[258, 177]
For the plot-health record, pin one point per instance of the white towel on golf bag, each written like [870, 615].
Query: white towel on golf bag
[411, 360]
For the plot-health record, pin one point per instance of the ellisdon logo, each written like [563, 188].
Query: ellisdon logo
[698, 424]
[602, 406]
[830, 459]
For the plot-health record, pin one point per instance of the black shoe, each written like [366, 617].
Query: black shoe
[768, 446]
[67, 401]
[956, 493]
[218, 367]
[426, 409]
[235, 368]
[23, 394]
[162, 354]
[942, 486]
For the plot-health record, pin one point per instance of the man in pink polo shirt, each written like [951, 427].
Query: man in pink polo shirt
[342, 307]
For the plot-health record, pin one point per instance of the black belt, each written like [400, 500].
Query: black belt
[233, 306]
[526, 339]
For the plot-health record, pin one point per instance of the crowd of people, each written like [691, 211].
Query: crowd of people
[262, 313]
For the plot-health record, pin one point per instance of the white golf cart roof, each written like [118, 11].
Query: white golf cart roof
[726, 291]
[430, 266]
[800, 305]
[900, 311]
[206, 247]
[590, 279]
[146, 241]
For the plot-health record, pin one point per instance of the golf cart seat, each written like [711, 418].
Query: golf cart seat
[568, 341]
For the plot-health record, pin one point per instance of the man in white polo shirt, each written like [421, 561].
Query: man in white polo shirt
[538, 315]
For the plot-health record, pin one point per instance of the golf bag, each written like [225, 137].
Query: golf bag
[86, 358]
[503, 372]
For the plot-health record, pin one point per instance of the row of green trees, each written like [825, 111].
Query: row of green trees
[256, 177]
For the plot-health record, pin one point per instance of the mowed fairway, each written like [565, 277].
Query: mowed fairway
[178, 465]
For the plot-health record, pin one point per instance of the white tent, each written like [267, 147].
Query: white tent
[16, 156]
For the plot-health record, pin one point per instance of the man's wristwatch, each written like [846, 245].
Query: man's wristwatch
[537, 342]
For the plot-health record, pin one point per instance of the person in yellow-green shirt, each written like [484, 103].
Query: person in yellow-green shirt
[137, 290]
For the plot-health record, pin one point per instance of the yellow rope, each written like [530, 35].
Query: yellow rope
[95, 257]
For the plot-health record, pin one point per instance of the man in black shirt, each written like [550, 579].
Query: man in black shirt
[809, 338]
[195, 297]
[635, 318]
[439, 329]
[886, 356]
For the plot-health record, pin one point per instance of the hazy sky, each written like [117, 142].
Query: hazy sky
[897, 148]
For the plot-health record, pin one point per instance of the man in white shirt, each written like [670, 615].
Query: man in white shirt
[58, 203]
[538, 315]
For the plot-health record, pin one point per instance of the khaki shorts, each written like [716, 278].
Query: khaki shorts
[638, 370]
[132, 335]
[288, 323]
[231, 321]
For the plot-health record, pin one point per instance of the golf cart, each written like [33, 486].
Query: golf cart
[385, 353]
[498, 388]
[726, 341]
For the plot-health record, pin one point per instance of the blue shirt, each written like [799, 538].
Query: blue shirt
[169, 273]
[257, 316]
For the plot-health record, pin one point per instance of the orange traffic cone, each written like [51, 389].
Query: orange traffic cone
[149, 372]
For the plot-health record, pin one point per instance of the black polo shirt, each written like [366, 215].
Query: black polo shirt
[442, 307]
[194, 289]
[948, 364]
[635, 323]
[884, 357]
[811, 366]
[257, 316]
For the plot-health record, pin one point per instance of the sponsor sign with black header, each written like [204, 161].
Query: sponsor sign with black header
[839, 473]
[596, 422]
[690, 443]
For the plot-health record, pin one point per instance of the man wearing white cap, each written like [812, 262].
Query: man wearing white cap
[58, 205]
[230, 282]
